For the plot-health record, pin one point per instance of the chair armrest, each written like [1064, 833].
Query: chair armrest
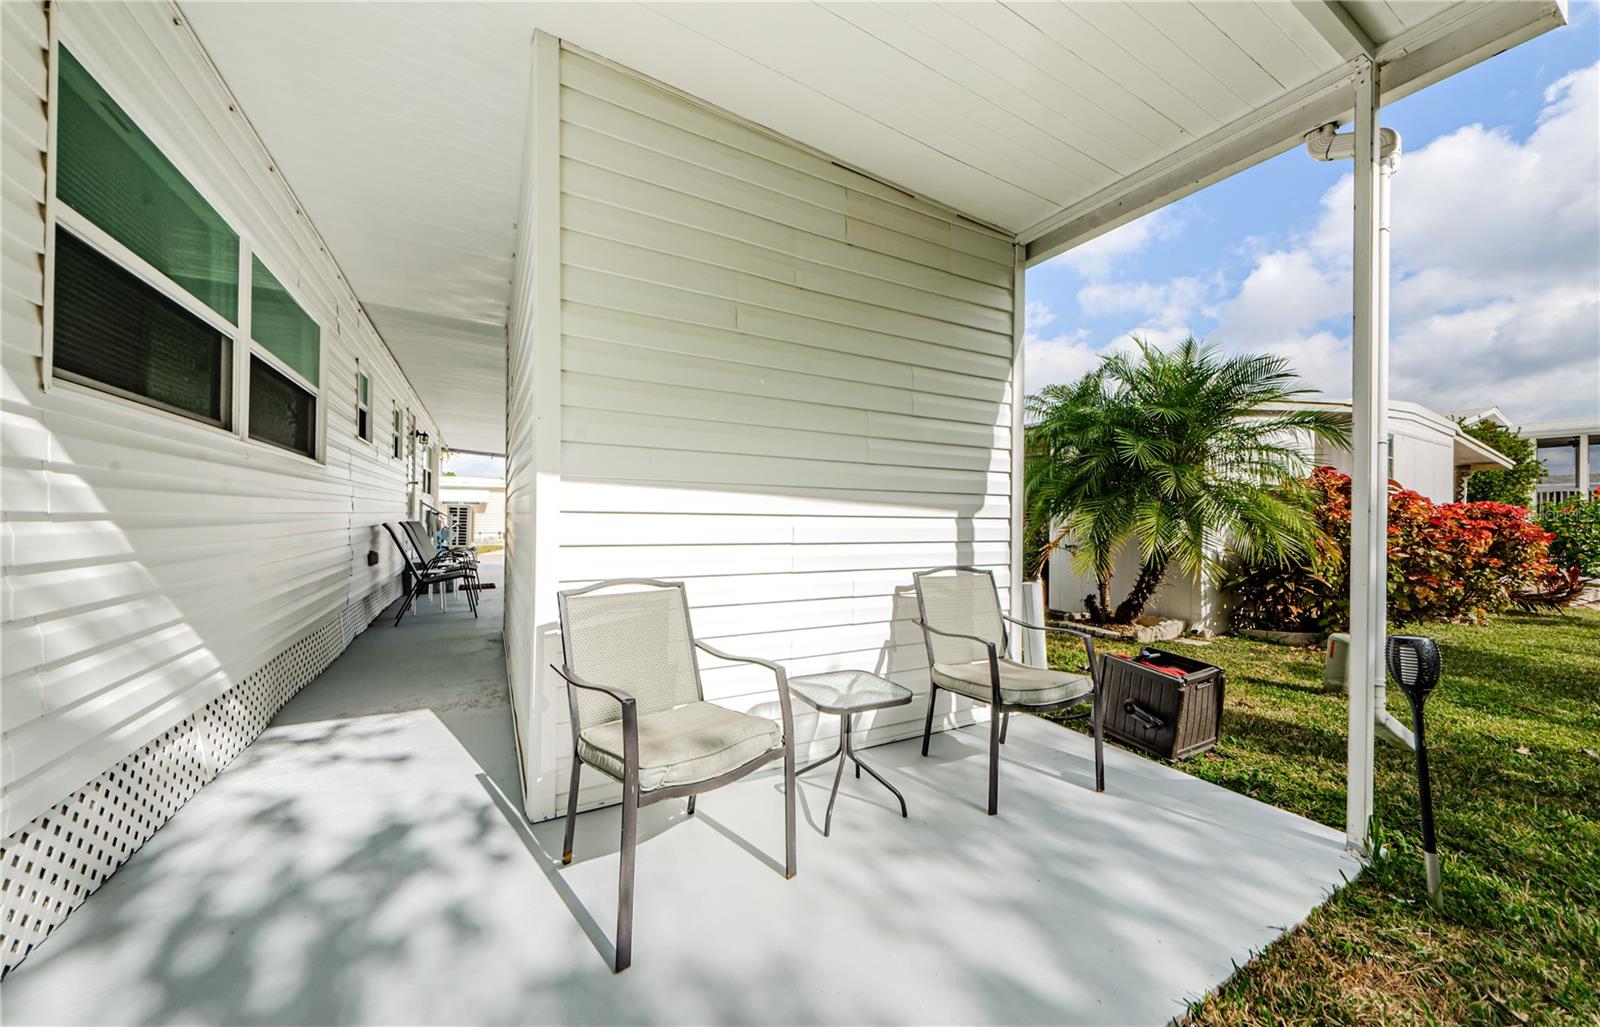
[630, 721]
[431, 574]
[778, 672]
[1088, 641]
[994, 656]
[719, 654]
[444, 557]
[572, 678]
[1059, 629]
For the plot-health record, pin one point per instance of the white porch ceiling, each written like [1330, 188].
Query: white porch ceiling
[400, 127]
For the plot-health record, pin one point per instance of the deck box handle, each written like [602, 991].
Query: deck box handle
[1142, 715]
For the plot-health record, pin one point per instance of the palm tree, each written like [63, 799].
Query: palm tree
[1174, 451]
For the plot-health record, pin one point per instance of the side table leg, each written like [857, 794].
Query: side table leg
[850, 752]
[814, 764]
[844, 748]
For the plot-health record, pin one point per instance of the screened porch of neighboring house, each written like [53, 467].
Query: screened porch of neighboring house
[738, 292]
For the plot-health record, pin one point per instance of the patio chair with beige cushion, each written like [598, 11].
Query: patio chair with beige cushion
[966, 636]
[639, 714]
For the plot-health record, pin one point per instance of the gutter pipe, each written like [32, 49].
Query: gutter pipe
[1327, 144]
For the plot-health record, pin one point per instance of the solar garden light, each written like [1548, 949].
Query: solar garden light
[1414, 662]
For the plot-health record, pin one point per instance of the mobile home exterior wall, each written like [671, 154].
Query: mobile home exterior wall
[167, 584]
[1422, 453]
[781, 381]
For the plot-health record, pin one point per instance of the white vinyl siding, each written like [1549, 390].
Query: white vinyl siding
[1421, 453]
[781, 381]
[151, 562]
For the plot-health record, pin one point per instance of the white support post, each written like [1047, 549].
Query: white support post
[1585, 483]
[1369, 486]
[1019, 306]
[1035, 650]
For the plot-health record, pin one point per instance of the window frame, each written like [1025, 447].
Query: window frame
[96, 239]
[57, 213]
[363, 380]
[1563, 443]
[397, 429]
[256, 349]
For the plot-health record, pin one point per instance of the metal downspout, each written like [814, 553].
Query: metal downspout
[1391, 729]
[1326, 144]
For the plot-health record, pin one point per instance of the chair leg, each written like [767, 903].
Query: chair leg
[1099, 746]
[927, 725]
[572, 812]
[411, 597]
[630, 841]
[1005, 725]
[789, 789]
[691, 805]
[994, 761]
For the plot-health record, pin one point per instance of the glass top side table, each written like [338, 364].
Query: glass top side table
[846, 693]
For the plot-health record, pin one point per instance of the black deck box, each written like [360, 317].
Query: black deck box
[1161, 703]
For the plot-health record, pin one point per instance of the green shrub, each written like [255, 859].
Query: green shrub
[1576, 527]
[1510, 486]
[1450, 561]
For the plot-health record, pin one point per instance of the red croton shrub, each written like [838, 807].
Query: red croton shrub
[1451, 561]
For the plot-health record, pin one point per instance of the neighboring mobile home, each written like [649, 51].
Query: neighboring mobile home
[475, 508]
[737, 291]
[1568, 449]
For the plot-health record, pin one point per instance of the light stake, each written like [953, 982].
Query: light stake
[1414, 662]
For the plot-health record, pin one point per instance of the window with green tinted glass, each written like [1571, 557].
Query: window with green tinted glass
[114, 331]
[111, 173]
[279, 325]
[363, 410]
[281, 412]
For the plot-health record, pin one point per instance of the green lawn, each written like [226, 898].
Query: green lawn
[1514, 748]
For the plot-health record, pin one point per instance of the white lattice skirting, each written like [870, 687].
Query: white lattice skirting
[52, 865]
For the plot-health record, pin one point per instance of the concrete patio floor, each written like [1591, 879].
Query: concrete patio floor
[365, 862]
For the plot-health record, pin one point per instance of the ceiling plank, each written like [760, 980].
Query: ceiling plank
[1334, 24]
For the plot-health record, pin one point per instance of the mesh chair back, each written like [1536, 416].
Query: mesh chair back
[407, 553]
[421, 540]
[964, 601]
[632, 635]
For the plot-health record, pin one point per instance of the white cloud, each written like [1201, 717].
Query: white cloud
[1287, 292]
[473, 465]
[1166, 304]
[1495, 278]
[1096, 258]
[1497, 253]
[1495, 281]
[1056, 360]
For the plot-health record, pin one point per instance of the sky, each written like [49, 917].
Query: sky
[1495, 252]
[473, 465]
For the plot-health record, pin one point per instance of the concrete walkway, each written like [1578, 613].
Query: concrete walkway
[364, 862]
